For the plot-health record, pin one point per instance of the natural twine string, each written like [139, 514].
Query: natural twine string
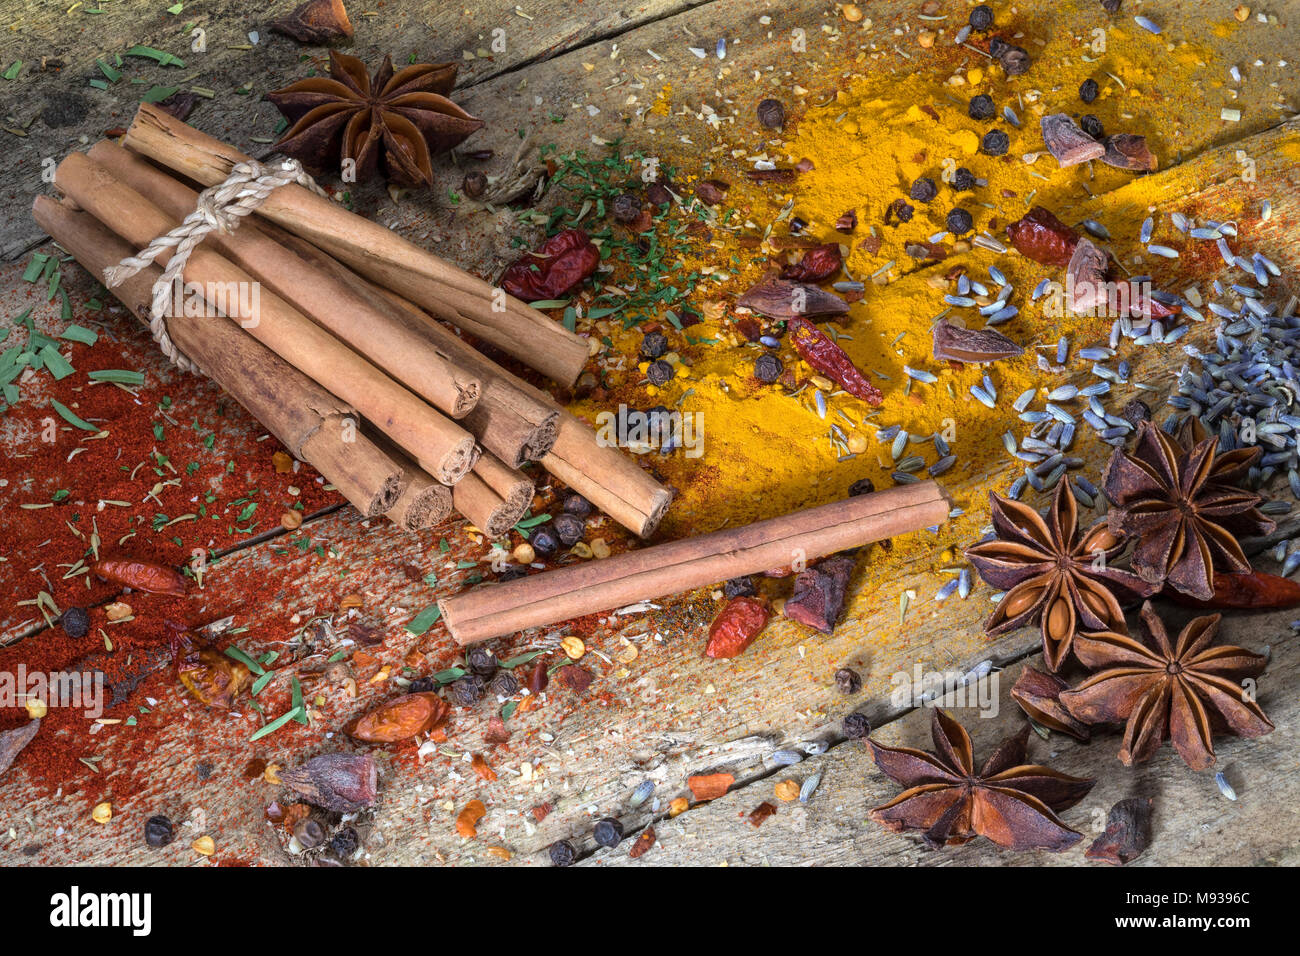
[221, 207]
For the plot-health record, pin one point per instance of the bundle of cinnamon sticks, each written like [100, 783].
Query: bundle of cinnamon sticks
[341, 350]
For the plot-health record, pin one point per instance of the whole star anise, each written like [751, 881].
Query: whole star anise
[1186, 691]
[1012, 803]
[1181, 504]
[394, 122]
[1053, 575]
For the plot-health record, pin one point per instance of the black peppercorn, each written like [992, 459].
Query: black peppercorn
[797, 225]
[569, 528]
[1092, 126]
[474, 185]
[505, 684]
[960, 222]
[544, 541]
[660, 373]
[512, 571]
[654, 345]
[1088, 90]
[981, 18]
[963, 179]
[863, 486]
[345, 842]
[467, 690]
[309, 833]
[1014, 59]
[981, 107]
[608, 832]
[924, 189]
[740, 587]
[626, 207]
[995, 142]
[158, 831]
[997, 45]
[1111, 6]
[900, 209]
[481, 661]
[422, 685]
[1136, 412]
[856, 726]
[771, 113]
[76, 622]
[768, 368]
[575, 504]
[848, 680]
[562, 853]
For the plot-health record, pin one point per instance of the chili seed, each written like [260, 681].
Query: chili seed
[608, 832]
[960, 221]
[768, 368]
[1088, 90]
[76, 622]
[995, 142]
[981, 107]
[981, 18]
[924, 189]
[848, 680]
[158, 831]
[562, 853]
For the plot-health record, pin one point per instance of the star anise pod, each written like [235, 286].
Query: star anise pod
[1181, 504]
[1186, 691]
[1054, 576]
[1012, 803]
[393, 122]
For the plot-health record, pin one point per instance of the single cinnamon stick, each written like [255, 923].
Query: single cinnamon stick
[653, 572]
[292, 270]
[492, 496]
[424, 503]
[439, 445]
[376, 252]
[309, 421]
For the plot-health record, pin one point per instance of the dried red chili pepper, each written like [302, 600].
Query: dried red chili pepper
[817, 265]
[1256, 590]
[1043, 238]
[735, 627]
[141, 576]
[553, 271]
[828, 358]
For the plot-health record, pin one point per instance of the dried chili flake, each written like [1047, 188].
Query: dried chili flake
[1042, 237]
[555, 270]
[710, 786]
[141, 576]
[761, 813]
[644, 841]
[828, 358]
[481, 768]
[468, 818]
[736, 627]
[402, 718]
[817, 265]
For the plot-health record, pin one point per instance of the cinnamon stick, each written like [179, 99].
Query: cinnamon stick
[440, 446]
[376, 252]
[653, 572]
[423, 503]
[492, 496]
[292, 270]
[309, 421]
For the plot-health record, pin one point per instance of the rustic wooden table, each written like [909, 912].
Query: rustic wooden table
[657, 711]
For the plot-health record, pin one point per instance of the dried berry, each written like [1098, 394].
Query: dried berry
[848, 680]
[739, 587]
[924, 189]
[76, 622]
[771, 113]
[158, 831]
[995, 142]
[505, 684]
[963, 180]
[981, 107]
[345, 842]
[608, 832]
[856, 726]
[309, 833]
[480, 660]
[626, 208]
[981, 18]
[544, 541]
[467, 690]
[863, 486]
[768, 368]
[659, 372]
[562, 853]
[654, 345]
[474, 185]
[960, 222]
[1088, 90]
[1092, 126]
[575, 504]
[568, 528]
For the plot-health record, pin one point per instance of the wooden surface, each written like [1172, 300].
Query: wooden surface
[667, 713]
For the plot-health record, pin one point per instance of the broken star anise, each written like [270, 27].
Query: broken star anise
[1184, 691]
[1180, 502]
[393, 122]
[1052, 575]
[1012, 803]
